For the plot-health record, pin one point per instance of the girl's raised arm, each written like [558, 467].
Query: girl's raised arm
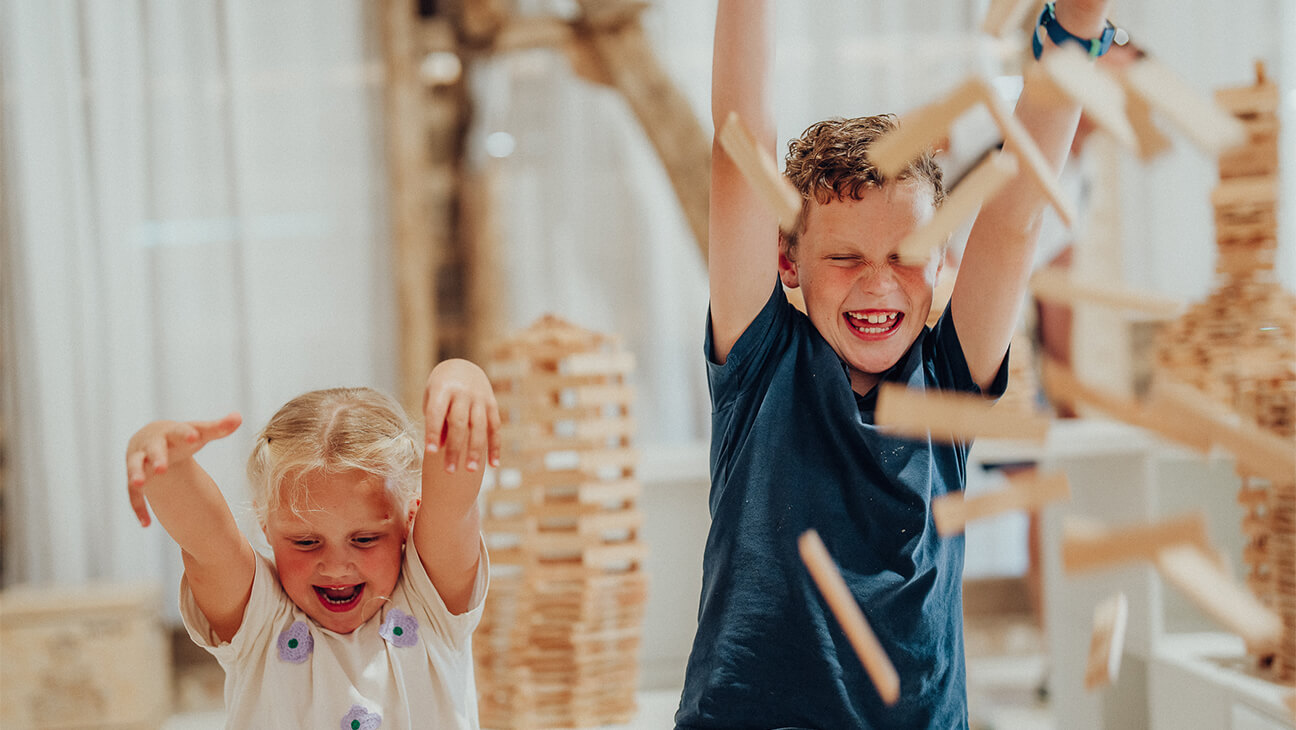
[462, 431]
[219, 562]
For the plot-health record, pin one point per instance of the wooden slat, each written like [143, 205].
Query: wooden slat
[918, 129]
[1209, 127]
[1018, 141]
[979, 186]
[1200, 578]
[952, 511]
[1101, 96]
[1086, 549]
[757, 165]
[1056, 285]
[833, 587]
[1107, 642]
[1005, 16]
[952, 416]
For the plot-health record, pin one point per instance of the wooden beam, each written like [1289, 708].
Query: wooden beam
[1086, 548]
[1257, 451]
[1056, 285]
[1030, 493]
[979, 186]
[761, 172]
[1200, 578]
[842, 603]
[1018, 141]
[1073, 73]
[951, 416]
[1198, 117]
[1107, 642]
[917, 130]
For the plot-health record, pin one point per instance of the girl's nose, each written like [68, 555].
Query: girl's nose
[335, 562]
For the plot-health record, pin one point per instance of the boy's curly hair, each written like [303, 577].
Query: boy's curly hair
[830, 161]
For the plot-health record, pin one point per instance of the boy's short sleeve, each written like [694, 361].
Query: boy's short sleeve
[454, 628]
[951, 364]
[764, 335]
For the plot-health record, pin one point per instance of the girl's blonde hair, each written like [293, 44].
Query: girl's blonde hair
[333, 431]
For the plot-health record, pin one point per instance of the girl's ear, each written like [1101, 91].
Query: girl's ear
[413, 510]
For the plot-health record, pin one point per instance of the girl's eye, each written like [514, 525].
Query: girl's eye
[305, 543]
[366, 540]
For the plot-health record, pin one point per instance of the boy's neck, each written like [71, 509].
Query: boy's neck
[862, 382]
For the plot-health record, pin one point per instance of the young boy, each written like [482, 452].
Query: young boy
[793, 446]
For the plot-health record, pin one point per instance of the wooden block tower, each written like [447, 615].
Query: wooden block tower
[559, 642]
[1238, 346]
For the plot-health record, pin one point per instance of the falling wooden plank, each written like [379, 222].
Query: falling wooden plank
[1257, 451]
[952, 511]
[918, 129]
[1107, 642]
[1195, 115]
[1086, 549]
[1151, 141]
[1005, 16]
[758, 166]
[1101, 96]
[952, 416]
[1055, 285]
[1200, 578]
[829, 580]
[979, 186]
[1018, 141]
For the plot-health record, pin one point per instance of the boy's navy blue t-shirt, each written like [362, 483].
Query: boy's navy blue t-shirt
[794, 448]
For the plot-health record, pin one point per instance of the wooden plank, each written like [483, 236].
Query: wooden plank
[1101, 96]
[758, 166]
[1257, 451]
[952, 416]
[1200, 578]
[952, 511]
[1019, 142]
[833, 587]
[1151, 141]
[598, 363]
[1198, 117]
[1056, 285]
[917, 130]
[979, 186]
[1107, 642]
[1087, 548]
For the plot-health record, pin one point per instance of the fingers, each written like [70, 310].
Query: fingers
[493, 432]
[138, 504]
[434, 417]
[457, 432]
[207, 431]
[477, 436]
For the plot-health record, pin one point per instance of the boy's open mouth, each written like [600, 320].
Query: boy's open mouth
[339, 598]
[874, 323]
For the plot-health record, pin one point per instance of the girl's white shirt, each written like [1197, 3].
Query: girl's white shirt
[410, 666]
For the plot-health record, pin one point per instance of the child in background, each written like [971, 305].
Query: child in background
[365, 615]
[793, 444]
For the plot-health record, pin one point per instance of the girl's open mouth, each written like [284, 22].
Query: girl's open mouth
[339, 598]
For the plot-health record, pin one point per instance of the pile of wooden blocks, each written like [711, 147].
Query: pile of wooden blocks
[559, 642]
[1238, 347]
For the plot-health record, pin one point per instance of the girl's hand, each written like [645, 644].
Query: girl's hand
[164, 444]
[461, 414]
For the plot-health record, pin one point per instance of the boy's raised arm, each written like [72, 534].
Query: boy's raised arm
[218, 559]
[996, 265]
[462, 433]
[743, 260]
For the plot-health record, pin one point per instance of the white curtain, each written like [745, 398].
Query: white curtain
[195, 221]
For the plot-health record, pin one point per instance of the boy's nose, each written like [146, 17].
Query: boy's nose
[877, 279]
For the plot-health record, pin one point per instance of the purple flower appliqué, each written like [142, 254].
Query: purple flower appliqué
[358, 718]
[296, 643]
[400, 628]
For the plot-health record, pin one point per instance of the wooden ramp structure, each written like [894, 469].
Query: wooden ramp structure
[1238, 348]
[558, 645]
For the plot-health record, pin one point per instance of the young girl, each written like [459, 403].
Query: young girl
[352, 625]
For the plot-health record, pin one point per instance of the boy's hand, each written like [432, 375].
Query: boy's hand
[461, 414]
[164, 444]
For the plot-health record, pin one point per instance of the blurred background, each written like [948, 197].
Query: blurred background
[216, 205]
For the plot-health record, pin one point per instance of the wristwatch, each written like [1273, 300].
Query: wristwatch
[1048, 22]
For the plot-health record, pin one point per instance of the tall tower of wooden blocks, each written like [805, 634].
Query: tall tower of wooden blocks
[559, 642]
[1238, 346]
